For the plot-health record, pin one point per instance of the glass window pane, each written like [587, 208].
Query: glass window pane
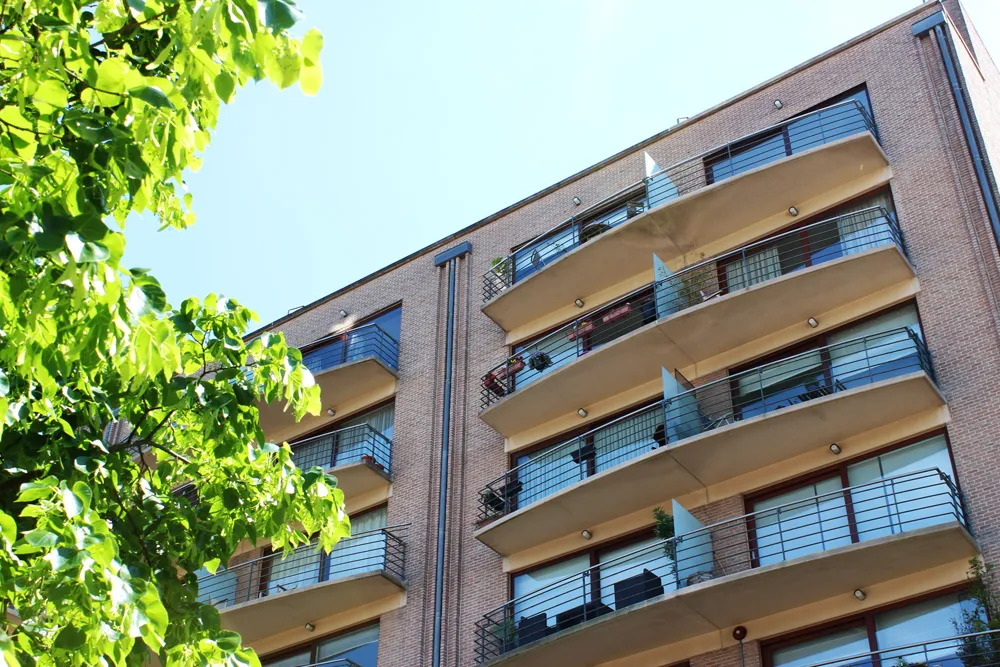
[829, 647]
[390, 322]
[360, 646]
[535, 604]
[532, 258]
[754, 153]
[296, 660]
[922, 500]
[799, 524]
[877, 358]
[628, 439]
[919, 623]
[549, 470]
[628, 578]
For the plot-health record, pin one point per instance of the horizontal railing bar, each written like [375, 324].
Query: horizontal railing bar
[870, 348]
[930, 473]
[811, 245]
[897, 649]
[665, 170]
[691, 174]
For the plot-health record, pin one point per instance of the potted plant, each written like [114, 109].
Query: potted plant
[514, 365]
[664, 530]
[505, 634]
[498, 267]
[539, 361]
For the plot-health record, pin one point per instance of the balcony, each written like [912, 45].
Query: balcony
[977, 649]
[354, 370]
[700, 207]
[852, 265]
[359, 456]
[733, 572]
[707, 435]
[272, 594]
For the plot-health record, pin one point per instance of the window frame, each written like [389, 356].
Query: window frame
[313, 644]
[865, 618]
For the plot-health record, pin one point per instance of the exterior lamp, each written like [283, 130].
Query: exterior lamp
[331, 412]
[581, 412]
[813, 322]
[586, 534]
[778, 104]
[792, 211]
[576, 201]
[835, 448]
[860, 594]
[579, 303]
[343, 313]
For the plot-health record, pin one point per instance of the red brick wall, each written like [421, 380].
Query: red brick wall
[948, 241]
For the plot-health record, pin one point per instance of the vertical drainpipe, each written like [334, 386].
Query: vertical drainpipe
[449, 257]
[938, 23]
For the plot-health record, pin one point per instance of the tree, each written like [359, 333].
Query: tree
[103, 106]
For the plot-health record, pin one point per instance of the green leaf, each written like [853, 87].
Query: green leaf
[51, 95]
[225, 87]
[8, 527]
[70, 638]
[152, 96]
[86, 251]
[280, 14]
[4, 384]
[41, 538]
[109, 88]
[72, 504]
[312, 44]
[212, 565]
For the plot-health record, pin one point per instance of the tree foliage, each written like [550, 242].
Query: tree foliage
[103, 106]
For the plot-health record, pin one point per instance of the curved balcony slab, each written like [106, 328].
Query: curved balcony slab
[699, 224]
[719, 333]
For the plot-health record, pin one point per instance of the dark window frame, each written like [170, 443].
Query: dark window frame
[313, 644]
[865, 618]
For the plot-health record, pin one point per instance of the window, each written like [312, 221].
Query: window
[347, 441]
[365, 552]
[816, 242]
[534, 256]
[818, 370]
[631, 571]
[358, 343]
[817, 515]
[556, 466]
[360, 646]
[918, 622]
[814, 129]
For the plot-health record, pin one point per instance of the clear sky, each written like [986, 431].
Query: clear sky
[434, 115]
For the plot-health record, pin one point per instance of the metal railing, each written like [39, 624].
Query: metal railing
[760, 148]
[762, 390]
[354, 444]
[189, 492]
[740, 269]
[369, 340]
[335, 662]
[977, 649]
[785, 532]
[381, 550]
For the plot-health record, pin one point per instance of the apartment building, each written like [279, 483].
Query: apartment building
[777, 322]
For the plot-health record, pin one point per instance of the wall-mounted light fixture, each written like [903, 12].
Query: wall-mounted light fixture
[343, 313]
[835, 448]
[586, 534]
[860, 595]
[581, 412]
[331, 412]
[576, 201]
[778, 104]
[579, 303]
[792, 211]
[813, 322]
[310, 627]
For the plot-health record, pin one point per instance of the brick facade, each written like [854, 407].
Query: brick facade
[950, 244]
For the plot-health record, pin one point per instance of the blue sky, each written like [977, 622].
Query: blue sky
[434, 115]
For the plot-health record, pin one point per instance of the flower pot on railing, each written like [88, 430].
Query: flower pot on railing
[617, 313]
[370, 460]
[582, 329]
[492, 383]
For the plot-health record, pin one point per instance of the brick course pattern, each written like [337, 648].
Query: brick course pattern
[946, 230]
